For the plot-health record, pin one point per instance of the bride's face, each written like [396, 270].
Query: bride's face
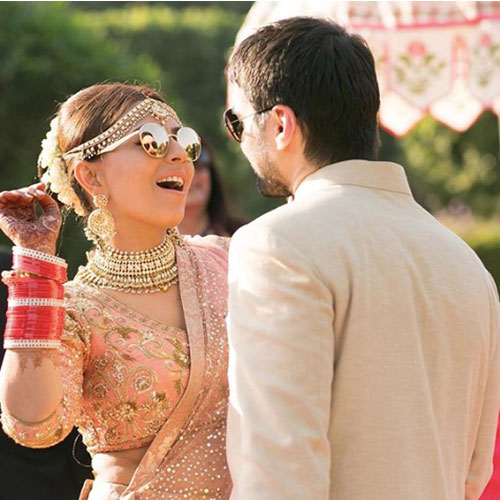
[144, 189]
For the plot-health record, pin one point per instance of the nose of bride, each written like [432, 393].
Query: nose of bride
[176, 153]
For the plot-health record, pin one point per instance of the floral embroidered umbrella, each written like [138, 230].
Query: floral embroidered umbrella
[441, 58]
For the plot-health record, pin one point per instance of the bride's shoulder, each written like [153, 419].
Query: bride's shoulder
[209, 241]
[211, 249]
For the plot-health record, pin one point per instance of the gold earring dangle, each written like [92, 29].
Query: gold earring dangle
[100, 223]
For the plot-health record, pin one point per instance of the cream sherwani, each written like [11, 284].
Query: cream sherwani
[364, 348]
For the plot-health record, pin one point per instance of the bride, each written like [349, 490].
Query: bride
[133, 350]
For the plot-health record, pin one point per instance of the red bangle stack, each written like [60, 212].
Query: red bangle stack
[31, 287]
[35, 316]
[39, 267]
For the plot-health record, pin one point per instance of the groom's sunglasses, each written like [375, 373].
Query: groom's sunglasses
[234, 124]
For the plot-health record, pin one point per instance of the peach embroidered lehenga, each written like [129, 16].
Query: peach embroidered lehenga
[132, 382]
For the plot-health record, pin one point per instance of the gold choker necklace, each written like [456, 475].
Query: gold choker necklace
[146, 271]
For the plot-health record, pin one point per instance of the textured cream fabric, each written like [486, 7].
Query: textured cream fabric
[364, 349]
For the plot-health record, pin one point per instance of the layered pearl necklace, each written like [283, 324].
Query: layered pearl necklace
[146, 271]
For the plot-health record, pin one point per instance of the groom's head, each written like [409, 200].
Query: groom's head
[302, 91]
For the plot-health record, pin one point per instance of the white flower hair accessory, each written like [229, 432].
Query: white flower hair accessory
[56, 173]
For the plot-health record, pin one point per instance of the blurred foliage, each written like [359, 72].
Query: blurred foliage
[482, 235]
[458, 171]
[49, 50]
[239, 7]
[47, 54]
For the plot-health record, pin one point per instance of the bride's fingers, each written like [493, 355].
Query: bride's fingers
[36, 193]
[37, 185]
[41, 196]
[17, 197]
[25, 191]
[16, 194]
[4, 200]
[47, 204]
[4, 197]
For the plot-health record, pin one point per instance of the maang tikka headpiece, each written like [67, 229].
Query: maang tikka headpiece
[52, 162]
[158, 109]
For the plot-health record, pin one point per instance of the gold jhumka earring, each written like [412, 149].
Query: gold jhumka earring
[100, 224]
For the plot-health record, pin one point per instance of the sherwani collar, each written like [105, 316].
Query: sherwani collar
[383, 175]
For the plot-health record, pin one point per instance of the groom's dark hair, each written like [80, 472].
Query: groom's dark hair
[326, 75]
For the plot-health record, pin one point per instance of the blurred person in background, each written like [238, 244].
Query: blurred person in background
[207, 208]
[46, 474]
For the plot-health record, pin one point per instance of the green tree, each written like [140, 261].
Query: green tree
[240, 7]
[454, 170]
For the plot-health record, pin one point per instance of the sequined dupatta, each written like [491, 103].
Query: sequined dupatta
[194, 434]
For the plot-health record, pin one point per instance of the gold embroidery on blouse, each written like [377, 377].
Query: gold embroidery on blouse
[123, 377]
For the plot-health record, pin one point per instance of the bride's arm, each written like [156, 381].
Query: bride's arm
[33, 372]
[42, 419]
[30, 383]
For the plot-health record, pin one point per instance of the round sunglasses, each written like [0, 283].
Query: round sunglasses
[155, 141]
[234, 124]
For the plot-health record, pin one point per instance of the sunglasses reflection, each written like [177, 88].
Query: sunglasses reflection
[155, 140]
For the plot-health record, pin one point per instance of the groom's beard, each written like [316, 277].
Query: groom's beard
[269, 183]
[272, 188]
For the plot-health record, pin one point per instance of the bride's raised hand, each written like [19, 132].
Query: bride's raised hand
[21, 223]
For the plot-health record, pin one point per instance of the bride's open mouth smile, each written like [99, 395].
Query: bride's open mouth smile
[172, 182]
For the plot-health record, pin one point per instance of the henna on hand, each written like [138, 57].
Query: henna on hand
[36, 357]
[20, 222]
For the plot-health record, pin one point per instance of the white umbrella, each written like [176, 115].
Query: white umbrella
[441, 58]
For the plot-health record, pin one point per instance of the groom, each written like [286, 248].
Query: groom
[364, 336]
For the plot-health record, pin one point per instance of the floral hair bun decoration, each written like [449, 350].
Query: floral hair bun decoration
[55, 174]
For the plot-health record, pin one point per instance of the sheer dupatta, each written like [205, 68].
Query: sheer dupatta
[187, 457]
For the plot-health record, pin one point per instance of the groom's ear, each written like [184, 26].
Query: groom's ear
[284, 127]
